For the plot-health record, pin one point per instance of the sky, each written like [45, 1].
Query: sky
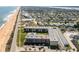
[39, 2]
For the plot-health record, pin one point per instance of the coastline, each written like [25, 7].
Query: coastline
[6, 19]
[6, 29]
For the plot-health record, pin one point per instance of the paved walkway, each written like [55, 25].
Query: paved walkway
[70, 43]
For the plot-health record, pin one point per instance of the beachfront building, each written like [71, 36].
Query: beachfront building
[54, 37]
[36, 29]
[34, 39]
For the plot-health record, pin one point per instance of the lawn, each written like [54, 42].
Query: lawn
[78, 42]
[68, 47]
[42, 33]
[21, 36]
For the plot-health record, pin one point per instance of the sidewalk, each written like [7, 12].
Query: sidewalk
[70, 43]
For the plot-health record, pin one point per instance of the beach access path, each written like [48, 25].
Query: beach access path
[6, 30]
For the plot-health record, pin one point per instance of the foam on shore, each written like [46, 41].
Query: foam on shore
[9, 15]
[7, 18]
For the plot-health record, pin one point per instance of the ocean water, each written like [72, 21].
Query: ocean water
[5, 12]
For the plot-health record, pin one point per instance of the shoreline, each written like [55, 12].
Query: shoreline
[6, 19]
[6, 29]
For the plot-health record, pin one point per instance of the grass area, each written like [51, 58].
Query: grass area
[78, 42]
[21, 36]
[68, 47]
[42, 33]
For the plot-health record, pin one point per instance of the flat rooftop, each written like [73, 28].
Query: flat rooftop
[52, 34]
[36, 27]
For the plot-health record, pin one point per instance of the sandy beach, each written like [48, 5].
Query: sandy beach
[7, 29]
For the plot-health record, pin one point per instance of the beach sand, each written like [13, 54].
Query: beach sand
[6, 30]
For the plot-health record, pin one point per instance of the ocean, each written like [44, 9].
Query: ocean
[5, 12]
